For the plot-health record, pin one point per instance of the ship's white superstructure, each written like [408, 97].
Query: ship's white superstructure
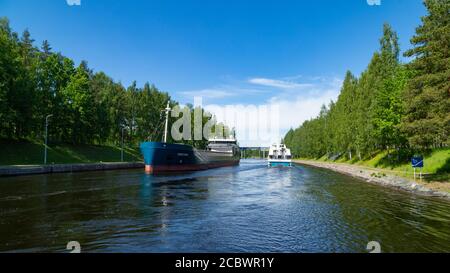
[279, 155]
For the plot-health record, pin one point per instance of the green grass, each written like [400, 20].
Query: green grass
[31, 153]
[436, 164]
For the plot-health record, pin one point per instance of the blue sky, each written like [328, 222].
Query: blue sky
[231, 52]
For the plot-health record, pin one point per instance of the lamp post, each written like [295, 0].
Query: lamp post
[121, 152]
[46, 137]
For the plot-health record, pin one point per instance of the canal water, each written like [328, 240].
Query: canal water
[247, 208]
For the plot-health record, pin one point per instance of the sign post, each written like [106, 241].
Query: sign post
[417, 162]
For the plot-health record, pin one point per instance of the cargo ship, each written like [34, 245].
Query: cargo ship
[163, 157]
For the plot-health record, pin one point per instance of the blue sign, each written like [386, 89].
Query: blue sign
[417, 162]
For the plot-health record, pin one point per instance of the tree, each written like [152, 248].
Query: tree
[46, 49]
[389, 110]
[8, 72]
[53, 74]
[342, 117]
[87, 107]
[427, 97]
[102, 88]
[366, 116]
[79, 104]
[149, 115]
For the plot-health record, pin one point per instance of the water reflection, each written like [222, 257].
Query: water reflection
[249, 208]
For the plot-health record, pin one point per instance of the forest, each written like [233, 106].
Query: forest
[399, 108]
[82, 106]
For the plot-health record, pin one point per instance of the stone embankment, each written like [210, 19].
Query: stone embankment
[378, 176]
[66, 168]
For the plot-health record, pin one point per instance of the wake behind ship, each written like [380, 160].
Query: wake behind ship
[163, 157]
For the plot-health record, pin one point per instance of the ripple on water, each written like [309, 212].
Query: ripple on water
[247, 208]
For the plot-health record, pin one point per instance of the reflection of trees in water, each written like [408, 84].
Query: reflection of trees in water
[51, 210]
[401, 222]
[163, 198]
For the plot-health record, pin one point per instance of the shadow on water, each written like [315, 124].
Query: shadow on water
[247, 208]
[401, 222]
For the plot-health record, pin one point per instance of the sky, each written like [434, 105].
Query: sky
[235, 54]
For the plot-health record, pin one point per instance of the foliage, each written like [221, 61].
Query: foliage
[427, 98]
[87, 107]
[391, 106]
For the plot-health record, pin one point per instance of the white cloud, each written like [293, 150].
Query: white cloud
[255, 124]
[297, 110]
[220, 92]
[283, 104]
[264, 124]
[207, 93]
[283, 84]
[374, 2]
[73, 2]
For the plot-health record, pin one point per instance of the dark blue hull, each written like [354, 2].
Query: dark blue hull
[165, 158]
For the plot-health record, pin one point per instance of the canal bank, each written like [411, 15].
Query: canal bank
[381, 177]
[66, 168]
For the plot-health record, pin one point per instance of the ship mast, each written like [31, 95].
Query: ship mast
[167, 121]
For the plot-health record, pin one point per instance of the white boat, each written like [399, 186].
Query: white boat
[279, 155]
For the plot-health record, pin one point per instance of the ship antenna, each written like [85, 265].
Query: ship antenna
[167, 121]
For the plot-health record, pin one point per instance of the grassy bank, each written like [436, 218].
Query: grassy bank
[436, 165]
[31, 153]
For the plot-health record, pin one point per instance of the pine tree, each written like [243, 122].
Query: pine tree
[46, 49]
[21, 97]
[427, 98]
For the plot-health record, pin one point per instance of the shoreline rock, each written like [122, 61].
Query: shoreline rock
[377, 177]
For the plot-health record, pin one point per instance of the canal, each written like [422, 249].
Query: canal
[248, 208]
